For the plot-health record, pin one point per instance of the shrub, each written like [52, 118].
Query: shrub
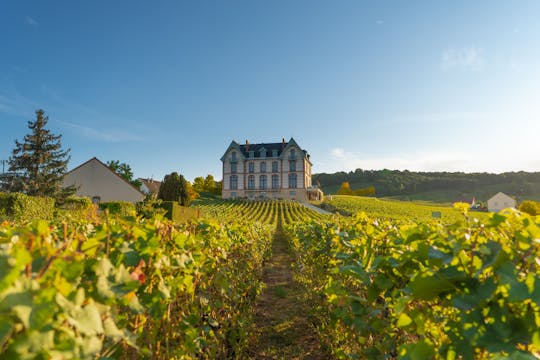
[24, 208]
[150, 207]
[74, 207]
[178, 213]
[121, 208]
[530, 207]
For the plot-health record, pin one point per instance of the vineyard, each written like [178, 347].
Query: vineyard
[393, 209]
[265, 212]
[388, 282]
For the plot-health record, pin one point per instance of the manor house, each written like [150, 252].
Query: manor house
[270, 170]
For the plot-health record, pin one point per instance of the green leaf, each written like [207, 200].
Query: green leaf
[6, 328]
[403, 320]
[427, 287]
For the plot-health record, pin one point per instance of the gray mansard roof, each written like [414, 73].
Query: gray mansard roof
[270, 148]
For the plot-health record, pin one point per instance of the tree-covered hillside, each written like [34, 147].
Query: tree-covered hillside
[435, 186]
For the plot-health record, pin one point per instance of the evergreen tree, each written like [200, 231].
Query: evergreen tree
[38, 163]
[174, 188]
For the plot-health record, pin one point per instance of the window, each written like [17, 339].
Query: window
[274, 153]
[234, 182]
[293, 152]
[233, 168]
[292, 181]
[251, 167]
[262, 152]
[262, 182]
[96, 199]
[274, 166]
[263, 167]
[251, 182]
[251, 154]
[275, 181]
[292, 165]
[233, 195]
[233, 156]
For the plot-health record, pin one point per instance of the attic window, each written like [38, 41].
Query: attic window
[274, 153]
[262, 152]
[251, 154]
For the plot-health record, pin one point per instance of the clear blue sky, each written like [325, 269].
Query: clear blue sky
[166, 85]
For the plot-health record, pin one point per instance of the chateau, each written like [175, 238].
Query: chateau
[268, 171]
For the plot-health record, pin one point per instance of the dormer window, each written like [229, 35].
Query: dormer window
[274, 153]
[292, 154]
[251, 154]
[262, 152]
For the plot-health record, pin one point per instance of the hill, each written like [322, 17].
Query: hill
[435, 186]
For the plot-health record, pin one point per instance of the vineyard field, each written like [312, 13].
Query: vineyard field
[394, 209]
[387, 282]
[264, 212]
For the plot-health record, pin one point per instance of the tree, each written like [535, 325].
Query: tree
[124, 170]
[209, 183]
[198, 184]
[345, 189]
[174, 188]
[38, 163]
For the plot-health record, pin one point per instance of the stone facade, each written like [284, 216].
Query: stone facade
[266, 171]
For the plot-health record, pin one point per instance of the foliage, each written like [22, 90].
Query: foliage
[24, 208]
[206, 185]
[530, 207]
[37, 165]
[345, 189]
[396, 289]
[174, 188]
[179, 214]
[265, 212]
[370, 190]
[150, 207]
[391, 209]
[123, 289]
[74, 207]
[435, 186]
[124, 170]
[121, 208]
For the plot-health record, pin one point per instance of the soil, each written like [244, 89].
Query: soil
[281, 328]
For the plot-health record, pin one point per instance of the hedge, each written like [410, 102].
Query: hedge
[24, 208]
[122, 208]
[178, 213]
[76, 207]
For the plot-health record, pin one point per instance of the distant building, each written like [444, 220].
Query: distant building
[100, 183]
[500, 201]
[268, 171]
[150, 186]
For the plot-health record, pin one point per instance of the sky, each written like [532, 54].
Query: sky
[166, 85]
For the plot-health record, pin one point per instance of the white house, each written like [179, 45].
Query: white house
[268, 170]
[500, 201]
[150, 186]
[100, 183]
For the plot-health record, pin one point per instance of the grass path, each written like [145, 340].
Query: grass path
[281, 325]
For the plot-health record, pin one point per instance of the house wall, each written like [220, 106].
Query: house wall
[94, 179]
[500, 201]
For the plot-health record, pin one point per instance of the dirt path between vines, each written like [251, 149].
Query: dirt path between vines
[281, 325]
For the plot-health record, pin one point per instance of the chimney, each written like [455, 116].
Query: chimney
[247, 145]
[282, 143]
